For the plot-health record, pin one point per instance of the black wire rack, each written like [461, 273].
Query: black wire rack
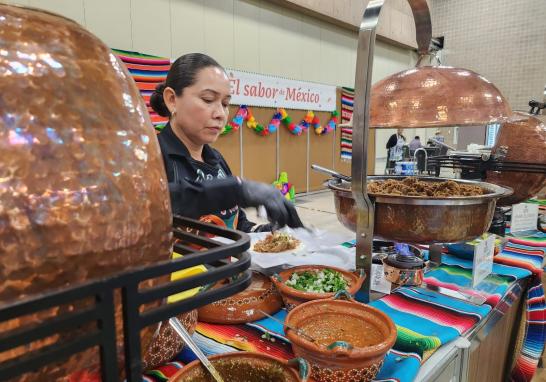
[478, 164]
[481, 163]
[100, 314]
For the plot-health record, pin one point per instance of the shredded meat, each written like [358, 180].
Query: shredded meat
[414, 187]
[276, 242]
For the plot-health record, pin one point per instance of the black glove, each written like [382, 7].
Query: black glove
[262, 228]
[280, 211]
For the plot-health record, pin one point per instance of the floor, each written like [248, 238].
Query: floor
[317, 210]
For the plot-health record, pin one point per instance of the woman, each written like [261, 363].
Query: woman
[394, 149]
[195, 97]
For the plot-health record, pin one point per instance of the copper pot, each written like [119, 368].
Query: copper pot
[83, 191]
[415, 219]
[434, 96]
[403, 276]
[340, 360]
[522, 139]
[293, 297]
[245, 366]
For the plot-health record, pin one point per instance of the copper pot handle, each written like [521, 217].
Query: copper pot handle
[303, 367]
[361, 121]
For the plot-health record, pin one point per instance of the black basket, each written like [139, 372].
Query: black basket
[217, 258]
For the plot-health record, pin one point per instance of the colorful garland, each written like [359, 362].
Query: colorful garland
[287, 121]
[244, 114]
[308, 120]
[237, 121]
[258, 128]
[331, 126]
[275, 122]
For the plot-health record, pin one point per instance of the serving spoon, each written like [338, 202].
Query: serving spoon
[186, 337]
[299, 331]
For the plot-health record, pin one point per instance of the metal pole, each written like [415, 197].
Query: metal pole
[361, 124]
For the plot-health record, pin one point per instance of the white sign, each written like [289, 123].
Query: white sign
[269, 91]
[483, 260]
[378, 281]
[524, 217]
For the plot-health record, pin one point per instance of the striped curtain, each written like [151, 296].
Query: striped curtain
[347, 99]
[147, 71]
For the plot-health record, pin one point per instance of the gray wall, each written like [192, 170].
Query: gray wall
[503, 40]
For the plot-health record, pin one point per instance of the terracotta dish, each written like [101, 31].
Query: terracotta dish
[523, 139]
[86, 192]
[167, 344]
[293, 297]
[244, 306]
[244, 367]
[351, 339]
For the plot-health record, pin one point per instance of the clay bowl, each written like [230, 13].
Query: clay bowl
[351, 339]
[245, 366]
[293, 297]
[244, 306]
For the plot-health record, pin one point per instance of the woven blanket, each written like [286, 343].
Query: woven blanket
[147, 71]
[346, 143]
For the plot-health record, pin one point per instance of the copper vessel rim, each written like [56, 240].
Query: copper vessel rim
[496, 191]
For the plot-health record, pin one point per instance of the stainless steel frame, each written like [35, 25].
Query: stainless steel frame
[361, 122]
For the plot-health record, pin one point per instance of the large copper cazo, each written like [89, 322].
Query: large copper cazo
[521, 139]
[83, 192]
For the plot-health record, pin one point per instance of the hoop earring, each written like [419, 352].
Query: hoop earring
[173, 113]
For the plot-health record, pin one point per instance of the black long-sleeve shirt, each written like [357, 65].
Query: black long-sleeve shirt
[202, 190]
[393, 140]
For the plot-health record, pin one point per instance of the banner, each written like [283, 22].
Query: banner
[269, 91]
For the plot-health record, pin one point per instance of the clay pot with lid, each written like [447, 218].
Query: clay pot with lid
[293, 297]
[336, 359]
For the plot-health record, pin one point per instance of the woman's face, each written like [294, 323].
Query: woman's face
[201, 109]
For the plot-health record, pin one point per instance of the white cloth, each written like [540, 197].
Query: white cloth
[317, 248]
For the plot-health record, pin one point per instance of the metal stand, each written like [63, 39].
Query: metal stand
[100, 315]
[361, 124]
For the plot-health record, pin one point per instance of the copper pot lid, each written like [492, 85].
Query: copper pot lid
[433, 96]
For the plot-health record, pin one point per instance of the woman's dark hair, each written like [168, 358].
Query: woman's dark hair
[417, 137]
[181, 75]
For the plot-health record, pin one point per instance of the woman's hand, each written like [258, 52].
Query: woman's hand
[280, 211]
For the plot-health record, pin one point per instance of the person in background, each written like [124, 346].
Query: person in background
[195, 97]
[415, 144]
[394, 148]
[439, 137]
